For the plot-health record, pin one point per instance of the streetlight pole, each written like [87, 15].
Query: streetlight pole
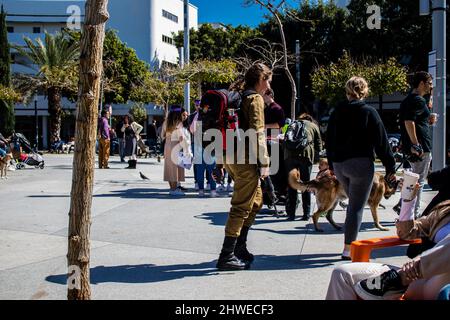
[36, 125]
[438, 9]
[297, 60]
[187, 86]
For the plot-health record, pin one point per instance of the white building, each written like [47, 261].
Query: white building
[144, 25]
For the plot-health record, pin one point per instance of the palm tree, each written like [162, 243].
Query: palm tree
[55, 61]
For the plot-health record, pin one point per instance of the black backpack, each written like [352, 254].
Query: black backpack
[296, 137]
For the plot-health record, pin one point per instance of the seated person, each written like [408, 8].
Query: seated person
[3, 145]
[438, 181]
[421, 278]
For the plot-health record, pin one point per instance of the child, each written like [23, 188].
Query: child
[324, 169]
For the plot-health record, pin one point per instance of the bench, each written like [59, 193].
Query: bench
[361, 249]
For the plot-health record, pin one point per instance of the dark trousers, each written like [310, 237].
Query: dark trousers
[305, 168]
[356, 177]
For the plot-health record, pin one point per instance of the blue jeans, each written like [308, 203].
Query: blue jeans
[200, 171]
[2, 152]
[121, 148]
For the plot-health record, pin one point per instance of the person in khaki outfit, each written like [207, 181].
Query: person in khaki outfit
[247, 196]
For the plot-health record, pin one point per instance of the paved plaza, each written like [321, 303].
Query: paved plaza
[147, 245]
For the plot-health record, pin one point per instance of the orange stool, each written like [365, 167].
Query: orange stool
[361, 249]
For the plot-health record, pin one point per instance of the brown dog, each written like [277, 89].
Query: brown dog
[329, 192]
[4, 165]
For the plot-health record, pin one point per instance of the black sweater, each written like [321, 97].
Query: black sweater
[355, 130]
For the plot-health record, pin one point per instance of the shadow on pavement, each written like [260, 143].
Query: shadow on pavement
[143, 273]
[132, 193]
[148, 273]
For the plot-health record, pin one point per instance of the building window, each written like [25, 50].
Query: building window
[170, 16]
[36, 29]
[10, 29]
[168, 40]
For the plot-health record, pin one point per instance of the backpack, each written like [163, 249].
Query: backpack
[296, 137]
[219, 109]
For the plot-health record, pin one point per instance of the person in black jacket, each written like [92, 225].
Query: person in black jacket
[355, 131]
[121, 139]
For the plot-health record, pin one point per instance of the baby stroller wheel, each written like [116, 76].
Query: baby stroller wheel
[20, 166]
[41, 165]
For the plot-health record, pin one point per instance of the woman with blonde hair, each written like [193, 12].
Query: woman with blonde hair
[355, 133]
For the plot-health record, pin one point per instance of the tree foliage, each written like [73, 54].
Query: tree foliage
[55, 60]
[382, 77]
[7, 94]
[209, 43]
[122, 68]
[387, 77]
[159, 89]
[138, 112]
[5, 59]
[207, 71]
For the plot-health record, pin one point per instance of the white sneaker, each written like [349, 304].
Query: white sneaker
[208, 186]
[213, 194]
[196, 187]
[229, 188]
[201, 193]
[176, 192]
[221, 188]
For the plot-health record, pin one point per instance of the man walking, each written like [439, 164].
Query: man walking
[415, 128]
[302, 159]
[104, 140]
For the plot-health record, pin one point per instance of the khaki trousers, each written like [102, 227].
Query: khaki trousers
[103, 153]
[247, 197]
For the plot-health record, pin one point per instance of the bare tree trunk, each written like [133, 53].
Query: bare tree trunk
[78, 255]
[286, 66]
[54, 109]
[274, 11]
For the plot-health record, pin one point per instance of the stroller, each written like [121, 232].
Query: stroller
[20, 143]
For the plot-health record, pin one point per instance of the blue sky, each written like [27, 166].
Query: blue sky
[231, 12]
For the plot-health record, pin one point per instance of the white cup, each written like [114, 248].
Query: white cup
[433, 118]
[409, 183]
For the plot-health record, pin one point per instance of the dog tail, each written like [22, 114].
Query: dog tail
[295, 182]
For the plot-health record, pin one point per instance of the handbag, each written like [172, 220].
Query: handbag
[184, 161]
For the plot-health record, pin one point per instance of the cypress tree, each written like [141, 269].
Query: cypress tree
[7, 119]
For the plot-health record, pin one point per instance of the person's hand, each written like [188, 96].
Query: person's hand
[217, 174]
[264, 172]
[390, 178]
[417, 149]
[411, 270]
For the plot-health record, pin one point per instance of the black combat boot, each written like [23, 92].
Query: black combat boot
[227, 259]
[241, 247]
